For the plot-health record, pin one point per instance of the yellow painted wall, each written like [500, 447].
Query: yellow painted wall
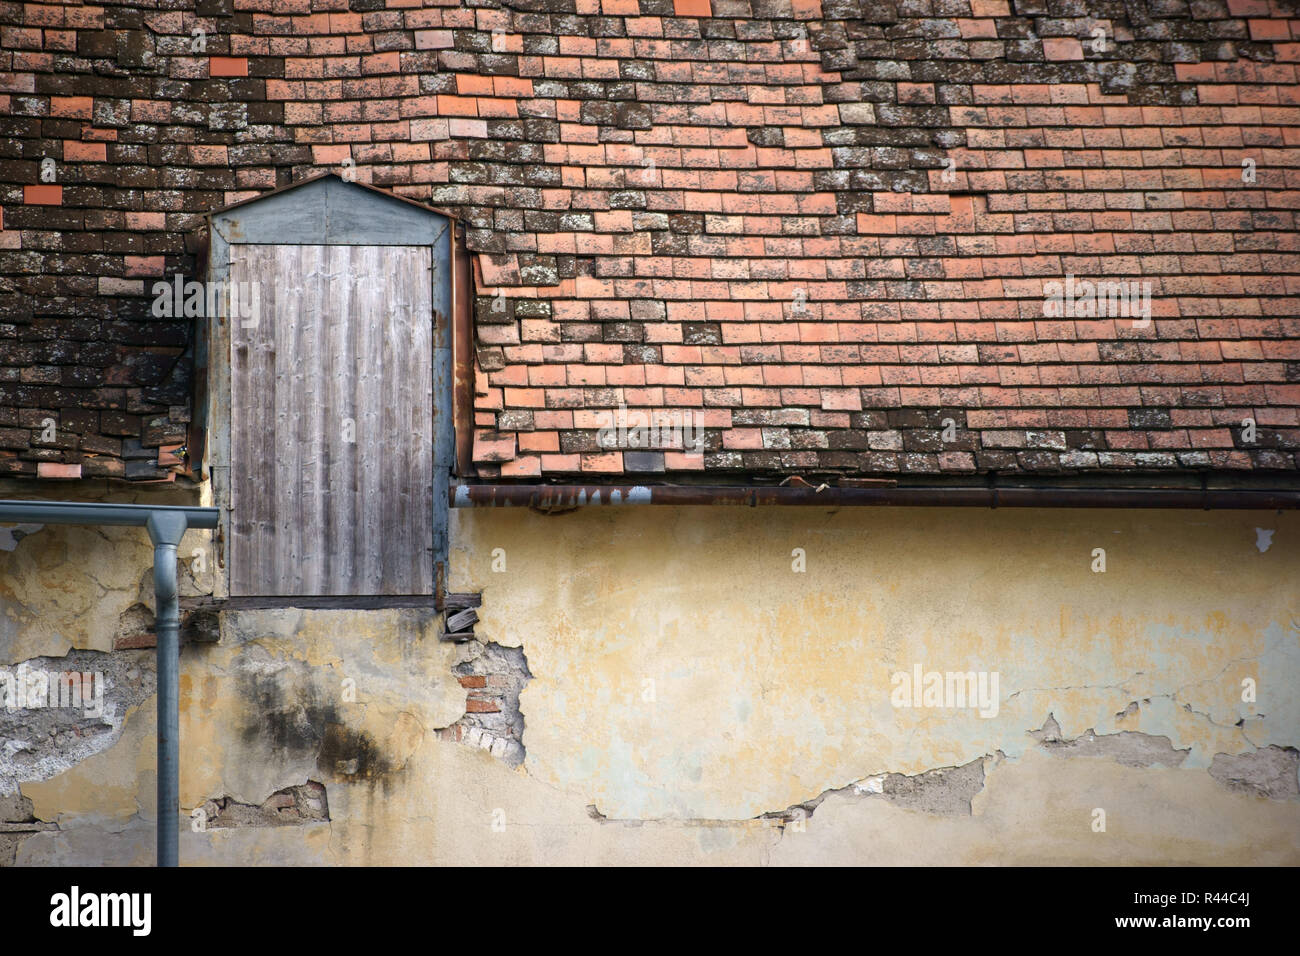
[687, 681]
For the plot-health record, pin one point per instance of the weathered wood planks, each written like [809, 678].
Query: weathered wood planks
[332, 422]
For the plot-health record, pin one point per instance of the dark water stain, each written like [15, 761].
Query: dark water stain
[293, 719]
[351, 755]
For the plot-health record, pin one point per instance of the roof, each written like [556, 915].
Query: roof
[824, 234]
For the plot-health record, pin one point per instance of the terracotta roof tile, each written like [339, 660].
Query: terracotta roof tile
[824, 229]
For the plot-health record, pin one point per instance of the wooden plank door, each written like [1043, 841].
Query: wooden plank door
[331, 421]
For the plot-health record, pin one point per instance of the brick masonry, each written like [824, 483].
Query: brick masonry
[822, 229]
[493, 677]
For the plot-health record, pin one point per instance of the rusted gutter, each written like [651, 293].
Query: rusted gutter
[462, 340]
[563, 497]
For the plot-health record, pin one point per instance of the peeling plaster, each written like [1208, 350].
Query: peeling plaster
[69, 586]
[291, 695]
[10, 535]
[39, 742]
[1128, 747]
[494, 677]
[943, 790]
[1268, 772]
[766, 689]
[770, 686]
[292, 806]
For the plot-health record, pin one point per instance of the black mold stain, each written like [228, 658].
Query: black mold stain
[297, 724]
[291, 719]
[349, 755]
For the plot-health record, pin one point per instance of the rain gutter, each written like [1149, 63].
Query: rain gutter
[550, 497]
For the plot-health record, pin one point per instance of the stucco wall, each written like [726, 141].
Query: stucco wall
[693, 698]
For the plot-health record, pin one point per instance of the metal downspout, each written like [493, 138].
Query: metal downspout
[166, 526]
[165, 531]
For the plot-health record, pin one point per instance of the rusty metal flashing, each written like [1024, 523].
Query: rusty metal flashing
[565, 497]
[462, 343]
